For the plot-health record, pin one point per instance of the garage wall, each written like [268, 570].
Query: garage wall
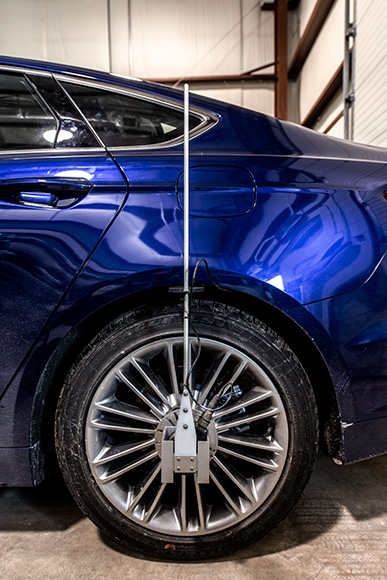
[324, 59]
[370, 106]
[177, 38]
[73, 32]
[316, 65]
[331, 120]
[149, 39]
[198, 37]
[305, 10]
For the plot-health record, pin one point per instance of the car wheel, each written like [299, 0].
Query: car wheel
[125, 389]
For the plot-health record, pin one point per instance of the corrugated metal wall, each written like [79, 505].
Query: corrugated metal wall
[370, 106]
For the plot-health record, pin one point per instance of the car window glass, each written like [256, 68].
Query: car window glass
[73, 131]
[123, 120]
[25, 121]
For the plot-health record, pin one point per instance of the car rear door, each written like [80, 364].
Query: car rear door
[59, 192]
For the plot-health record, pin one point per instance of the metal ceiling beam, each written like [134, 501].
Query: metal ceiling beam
[214, 78]
[269, 6]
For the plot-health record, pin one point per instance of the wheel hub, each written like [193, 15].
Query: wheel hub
[170, 420]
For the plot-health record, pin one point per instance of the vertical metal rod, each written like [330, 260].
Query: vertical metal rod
[186, 346]
[353, 72]
[346, 71]
[109, 27]
[130, 38]
[348, 68]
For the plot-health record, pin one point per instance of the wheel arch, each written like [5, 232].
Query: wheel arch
[298, 339]
[304, 345]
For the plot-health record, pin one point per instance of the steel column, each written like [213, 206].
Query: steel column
[281, 58]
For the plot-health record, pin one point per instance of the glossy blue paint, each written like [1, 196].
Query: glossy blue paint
[218, 191]
[357, 323]
[42, 248]
[290, 218]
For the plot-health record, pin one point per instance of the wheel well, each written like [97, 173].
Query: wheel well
[47, 394]
[309, 356]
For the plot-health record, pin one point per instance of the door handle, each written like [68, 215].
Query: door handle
[37, 198]
[44, 192]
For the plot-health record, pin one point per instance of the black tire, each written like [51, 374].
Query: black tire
[268, 446]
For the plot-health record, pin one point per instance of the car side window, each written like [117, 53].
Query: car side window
[123, 120]
[25, 120]
[73, 130]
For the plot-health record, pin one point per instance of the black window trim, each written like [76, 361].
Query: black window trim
[31, 72]
[23, 74]
[208, 119]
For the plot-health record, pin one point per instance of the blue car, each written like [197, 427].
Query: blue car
[288, 309]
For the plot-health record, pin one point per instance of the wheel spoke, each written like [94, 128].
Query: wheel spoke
[226, 495]
[111, 452]
[154, 504]
[109, 476]
[145, 484]
[237, 422]
[183, 503]
[240, 482]
[124, 410]
[157, 409]
[249, 399]
[199, 504]
[104, 424]
[250, 441]
[238, 371]
[214, 377]
[270, 464]
[152, 381]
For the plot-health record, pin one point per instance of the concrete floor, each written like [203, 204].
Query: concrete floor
[338, 530]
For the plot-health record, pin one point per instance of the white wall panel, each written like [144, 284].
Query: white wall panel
[370, 107]
[258, 36]
[324, 59]
[172, 38]
[197, 37]
[73, 32]
[119, 37]
[334, 108]
[338, 129]
[305, 12]
[148, 38]
[259, 98]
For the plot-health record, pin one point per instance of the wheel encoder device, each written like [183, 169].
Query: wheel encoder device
[185, 448]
